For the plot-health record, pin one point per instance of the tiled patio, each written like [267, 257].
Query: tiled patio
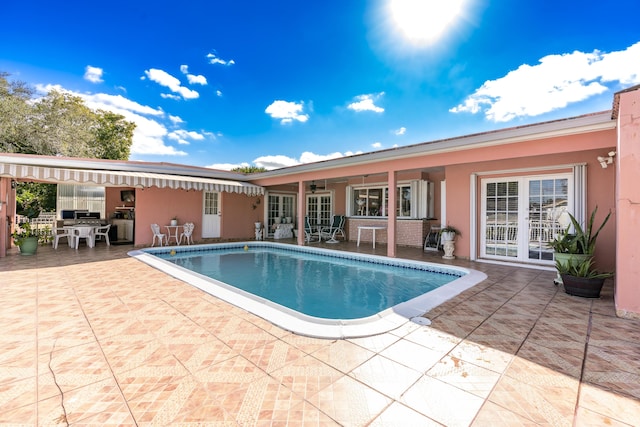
[93, 337]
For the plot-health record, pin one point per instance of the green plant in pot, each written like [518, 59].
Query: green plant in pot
[26, 239]
[449, 233]
[582, 279]
[572, 248]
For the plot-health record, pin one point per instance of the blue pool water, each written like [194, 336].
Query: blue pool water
[329, 285]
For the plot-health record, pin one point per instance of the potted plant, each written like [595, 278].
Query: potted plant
[582, 279]
[25, 238]
[572, 248]
[174, 221]
[449, 233]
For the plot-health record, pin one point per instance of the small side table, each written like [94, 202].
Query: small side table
[370, 227]
[172, 232]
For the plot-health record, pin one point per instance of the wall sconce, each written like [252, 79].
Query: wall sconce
[313, 186]
[605, 161]
[13, 184]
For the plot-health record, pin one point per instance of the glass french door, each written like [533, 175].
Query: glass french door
[319, 209]
[520, 216]
[279, 206]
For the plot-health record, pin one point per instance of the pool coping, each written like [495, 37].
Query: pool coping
[302, 324]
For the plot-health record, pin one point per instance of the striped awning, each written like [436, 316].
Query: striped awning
[125, 179]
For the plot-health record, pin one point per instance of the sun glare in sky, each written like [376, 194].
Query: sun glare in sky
[423, 21]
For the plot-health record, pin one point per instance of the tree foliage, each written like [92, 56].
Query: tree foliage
[249, 169]
[59, 124]
[56, 124]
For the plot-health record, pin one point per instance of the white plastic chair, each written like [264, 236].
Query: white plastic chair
[59, 233]
[84, 232]
[187, 233]
[158, 235]
[103, 231]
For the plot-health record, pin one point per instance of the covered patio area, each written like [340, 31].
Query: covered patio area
[96, 337]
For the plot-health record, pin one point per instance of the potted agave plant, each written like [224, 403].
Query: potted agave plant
[573, 248]
[582, 279]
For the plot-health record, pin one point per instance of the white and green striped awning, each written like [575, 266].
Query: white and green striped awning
[109, 178]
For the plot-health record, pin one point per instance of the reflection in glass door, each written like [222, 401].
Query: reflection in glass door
[520, 216]
[548, 198]
[501, 219]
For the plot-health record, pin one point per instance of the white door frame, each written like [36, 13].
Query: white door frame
[211, 213]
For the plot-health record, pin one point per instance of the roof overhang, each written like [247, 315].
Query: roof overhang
[112, 178]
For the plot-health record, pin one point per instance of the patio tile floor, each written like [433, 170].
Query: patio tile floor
[94, 337]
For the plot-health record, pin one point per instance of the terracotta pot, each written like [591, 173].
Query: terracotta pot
[582, 286]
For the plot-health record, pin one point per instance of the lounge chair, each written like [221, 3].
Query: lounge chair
[337, 226]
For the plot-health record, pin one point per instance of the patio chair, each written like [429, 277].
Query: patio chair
[103, 231]
[60, 233]
[187, 233]
[84, 232]
[158, 235]
[337, 226]
[308, 232]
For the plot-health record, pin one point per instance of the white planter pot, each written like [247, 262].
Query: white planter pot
[448, 236]
[174, 222]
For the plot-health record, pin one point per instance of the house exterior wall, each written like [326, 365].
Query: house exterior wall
[627, 166]
[600, 192]
[159, 205]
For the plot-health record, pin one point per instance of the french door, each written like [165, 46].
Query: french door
[319, 209]
[279, 206]
[520, 216]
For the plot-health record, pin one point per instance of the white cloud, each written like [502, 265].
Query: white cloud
[553, 83]
[219, 92]
[366, 103]
[400, 131]
[167, 80]
[192, 78]
[182, 136]
[93, 74]
[175, 119]
[287, 111]
[280, 161]
[377, 145]
[228, 166]
[214, 59]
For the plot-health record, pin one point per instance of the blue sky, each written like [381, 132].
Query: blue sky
[230, 83]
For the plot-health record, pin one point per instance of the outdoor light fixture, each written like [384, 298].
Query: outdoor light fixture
[313, 186]
[13, 184]
[605, 161]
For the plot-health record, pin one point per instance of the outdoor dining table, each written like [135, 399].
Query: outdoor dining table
[86, 231]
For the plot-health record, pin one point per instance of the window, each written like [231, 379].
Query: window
[81, 197]
[374, 201]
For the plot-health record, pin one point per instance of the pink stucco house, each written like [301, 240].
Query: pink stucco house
[504, 191]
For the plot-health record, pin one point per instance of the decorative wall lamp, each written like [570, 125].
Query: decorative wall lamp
[313, 186]
[606, 161]
[13, 184]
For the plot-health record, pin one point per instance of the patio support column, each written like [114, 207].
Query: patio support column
[391, 214]
[5, 214]
[301, 213]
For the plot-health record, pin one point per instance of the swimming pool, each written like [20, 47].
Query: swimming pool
[314, 291]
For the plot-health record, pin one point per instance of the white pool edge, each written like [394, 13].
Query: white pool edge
[293, 321]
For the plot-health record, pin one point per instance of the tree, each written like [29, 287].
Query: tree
[56, 124]
[59, 124]
[249, 169]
